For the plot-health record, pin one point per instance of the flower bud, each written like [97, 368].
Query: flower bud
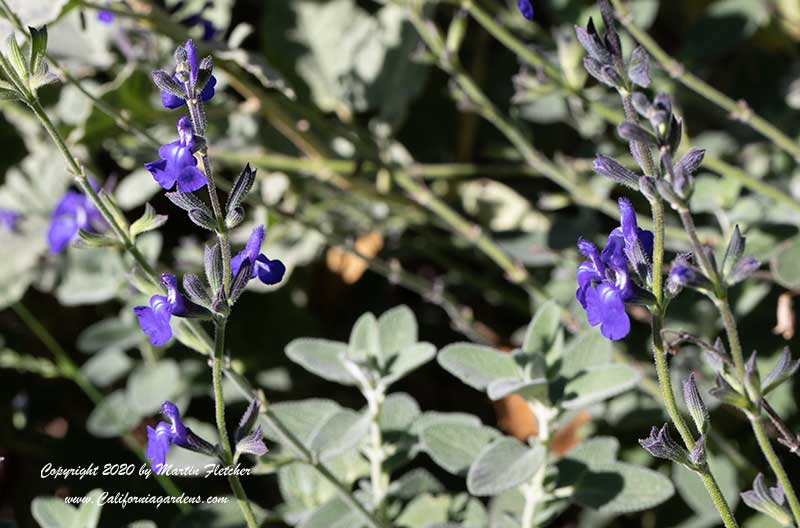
[640, 103]
[771, 502]
[692, 160]
[698, 454]
[784, 369]
[660, 445]
[591, 42]
[697, 407]
[647, 186]
[727, 394]
[669, 195]
[752, 379]
[611, 168]
[633, 132]
[742, 270]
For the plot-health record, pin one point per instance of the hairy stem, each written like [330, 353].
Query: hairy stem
[379, 479]
[662, 371]
[219, 412]
[534, 491]
[776, 465]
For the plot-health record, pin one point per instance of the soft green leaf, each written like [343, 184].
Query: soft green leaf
[786, 264]
[341, 432]
[334, 514]
[398, 412]
[397, 329]
[453, 446]
[414, 483]
[598, 384]
[149, 221]
[51, 512]
[504, 464]
[542, 331]
[622, 488]
[407, 360]
[135, 189]
[150, 385]
[114, 416]
[110, 333]
[106, 367]
[477, 365]
[302, 418]
[364, 339]
[89, 511]
[530, 390]
[423, 511]
[218, 515]
[589, 349]
[321, 357]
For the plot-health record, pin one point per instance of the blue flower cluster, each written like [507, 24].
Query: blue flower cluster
[605, 283]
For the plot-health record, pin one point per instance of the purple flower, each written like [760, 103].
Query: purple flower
[604, 282]
[104, 16]
[526, 8]
[178, 164]
[268, 271]
[209, 30]
[154, 319]
[74, 212]
[9, 219]
[172, 101]
[164, 435]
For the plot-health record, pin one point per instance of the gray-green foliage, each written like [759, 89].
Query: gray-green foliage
[556, 376]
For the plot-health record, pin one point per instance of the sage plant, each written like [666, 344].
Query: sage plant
[654, 133]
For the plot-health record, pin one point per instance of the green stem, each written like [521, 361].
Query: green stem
[219, 411]
[738, 110]
[70, 370]
[729, 322]
[775, 464]
[662, 371]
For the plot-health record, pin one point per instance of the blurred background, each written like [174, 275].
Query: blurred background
[321, 97]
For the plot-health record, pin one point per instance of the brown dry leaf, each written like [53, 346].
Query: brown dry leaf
[785, 316]
[350, 266]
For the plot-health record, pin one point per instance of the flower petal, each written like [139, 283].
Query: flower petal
[162, 173]
[62, 230]
[158, 442]
[190, 179]
[269, 271]
[154, 320]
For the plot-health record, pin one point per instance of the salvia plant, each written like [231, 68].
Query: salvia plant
[574, 395]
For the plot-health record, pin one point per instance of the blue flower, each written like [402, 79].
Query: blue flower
[172, 101]
[105, 16]
[154, 319]
[604, 282]
[164, 435]
[268, 271]
[178, 164]
[74, 212]
[209, 30]
[9, 219]
[526, 8]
